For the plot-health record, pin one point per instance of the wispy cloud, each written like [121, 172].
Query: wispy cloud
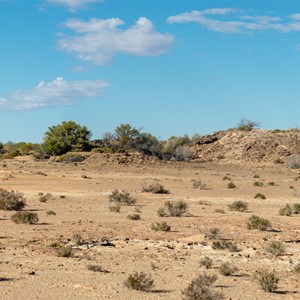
[73, 5]
[99, 40]
[55, 93]
[231, 20]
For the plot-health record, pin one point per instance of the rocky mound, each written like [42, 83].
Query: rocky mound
[255, 146]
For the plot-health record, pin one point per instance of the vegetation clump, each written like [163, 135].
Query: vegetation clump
[275, 248]
[96, 268]
[238, 206]
[259, 223]
[221, 245]
[267, 280]
[227, 269]
[121, 197]
[45, 198]
[286, 211]
[258, 183]
[200, 289]
[139, 281]
[173, 209]
[198, 184]
[161, 226]
[247, 125]
[71, 157]
[231, 185]
[25, 217]
[64, 251]
[11, 200]
[134, 217]
[212, 233]
[156, 188]
[260, 196]
[206, 262]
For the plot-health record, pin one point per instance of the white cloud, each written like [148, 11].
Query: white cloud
[55, 93]
[240, 24]
[98, 41]
[73, 4]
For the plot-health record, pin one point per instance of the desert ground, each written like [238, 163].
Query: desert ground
[31, 269]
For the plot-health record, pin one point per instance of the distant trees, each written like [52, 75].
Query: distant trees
[247, 125]
[65, 137]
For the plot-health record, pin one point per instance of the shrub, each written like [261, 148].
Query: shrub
[267, 280]
[221, 245]
[25, 217]
[296, 208]
[115, 208]
[161, 226]
[286, 211]
[206, 262]
[134, 217]
[212, 233]
[276, 248]
[258, 183]
[200, 289]
[238, 206]
[121, 197]
[71, 158]
[64, 251]
[65, 137]
[50, 213]
[156, 188]
[271, 183]
[11, 200]
[260, 196]
[173, 209]
[259, 223]
[96, 268]
[278, 161]
[247, 125]
[227, 269]
[231, 185]
[139, 281]
[226, 178]
[45, 198]
[78, 240]
[297, 268]
[220, 211]
[198, 184]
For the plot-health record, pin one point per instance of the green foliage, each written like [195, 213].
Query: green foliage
[247, 125]
[64, 251]
[65, 137]
[71, 158]
[258, 183]
[276, 248]
[173, 209]
[121, 197]
[206, 262]
[175, 147]
[161, 226]
[134, 217]
[286, 211]
[260, 196]
[200, 289]
[221, 245]
[231, 185]
[11, 200]
[227, 269]
[139, 281]
[125, 135]
[238, 206]
[259, 223]
[296, 208]
[267, 280]
[25, 217]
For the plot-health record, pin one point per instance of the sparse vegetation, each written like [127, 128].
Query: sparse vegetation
[297, 268]
[25, 217]
[198, 184]
[296, 208]
[206, 262]
[96, 268]
[275, 248]
[247, 125]
[231, 185]
[139, 281]
[221, 245]
[226, 178]
[238, 206]
[258, 183]
[259, 223]
[115, 207]
[50, 213]
[121, 197]
[77, 239]
[200, 289]
[220, 211]
[286, 211]
[156, 188]
[71, 158]
[134, 217]
[161, 226]
[271, 183]
[173, 209]
[212, 233]
[267, 280]
[45, 198]
[64, 251]
[11, 200]
[227, 269]
[260, 196]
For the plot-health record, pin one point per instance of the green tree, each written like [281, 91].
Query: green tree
[65, 137]
[125, 135]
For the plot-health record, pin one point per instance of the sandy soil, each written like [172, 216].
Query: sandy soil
[30, 268]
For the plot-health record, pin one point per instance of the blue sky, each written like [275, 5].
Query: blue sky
[170, 67]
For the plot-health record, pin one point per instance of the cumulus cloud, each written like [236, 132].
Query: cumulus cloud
[237, 23]
[73, 4]
[99, 40]
[55, 93]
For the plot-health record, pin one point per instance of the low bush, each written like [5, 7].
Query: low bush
[231, 185]
[11, 200]
[71, 157]
[238, 206]
[212, 233]
[267, 280]
[25, 217]
[139, 281]
[220, 211]
[198, 184]
[295, 162]
[115, 207]
[259, 223]
[45, 198]
[200, 289]
[221, 245]
[134, 217]
[156, 188]
[297, 268]
[173, 209]
[121, 197]
[296, 208]
[227, 269]
[206, 262]
[78, 240]
[50, 213]
[96, 268]
[161, 226]
[286, 211]
[64, 251]
[258, 183]
[260, 196]
[276, 248]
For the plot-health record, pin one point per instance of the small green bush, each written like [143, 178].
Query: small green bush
[276, 248]
[96, 268]
[296, 208]
[50, 213]
[206, 262]
[221, 245]
[286, 211]
[115, 207]
[258, 183]
[231, 185]
[220, 211]
[200, 289]
[212, 233]
[139, 281]
[267, 280]
[11, 200]
[227, 269]
[238, 206]
[173, 209]
[271, 183]
[45, 198]
[156, 188]
[64, 251]
[259, 223]
[121, 197]
[198, 184]
[161, 226]
[297, 268]
[260, 196]
[226, 178]
[71, 158]
[25, 217]
[78, 240]
[134, 217]
[247, 125]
